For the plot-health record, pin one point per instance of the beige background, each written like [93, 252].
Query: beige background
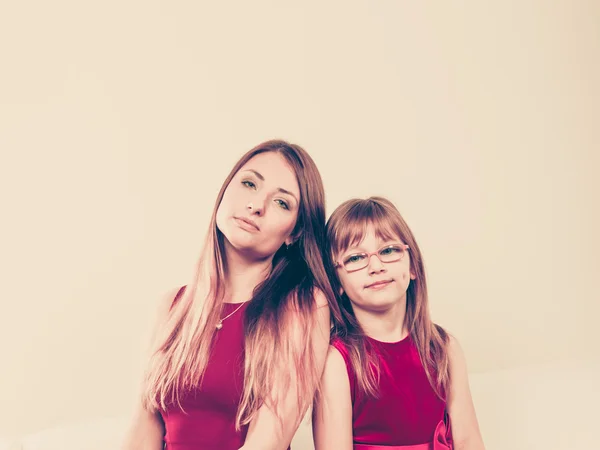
[120, 119]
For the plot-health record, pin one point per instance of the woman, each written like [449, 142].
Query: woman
[239, 351]
[393, 379]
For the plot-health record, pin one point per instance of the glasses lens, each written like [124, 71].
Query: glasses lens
[356, 261]
[391, 253]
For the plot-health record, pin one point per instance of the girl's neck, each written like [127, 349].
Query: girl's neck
[385, 326]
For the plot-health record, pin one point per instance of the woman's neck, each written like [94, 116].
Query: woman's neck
[243, 275]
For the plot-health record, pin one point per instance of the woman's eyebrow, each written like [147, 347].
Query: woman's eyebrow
[261, 178]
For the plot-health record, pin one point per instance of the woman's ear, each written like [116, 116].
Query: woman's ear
[292, 238]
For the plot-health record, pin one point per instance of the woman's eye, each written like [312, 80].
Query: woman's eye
[283, 204]
[249, 184]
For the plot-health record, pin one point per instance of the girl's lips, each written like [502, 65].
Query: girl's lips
[378, 284]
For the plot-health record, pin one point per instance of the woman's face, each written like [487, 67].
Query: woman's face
[260, 206]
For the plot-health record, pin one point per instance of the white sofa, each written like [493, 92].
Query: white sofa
[550, 407]
[4, 444]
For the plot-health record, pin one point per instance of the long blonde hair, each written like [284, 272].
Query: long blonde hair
[346, 227]
[278, 351]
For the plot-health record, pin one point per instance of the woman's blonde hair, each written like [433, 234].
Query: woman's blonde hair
[278, 350]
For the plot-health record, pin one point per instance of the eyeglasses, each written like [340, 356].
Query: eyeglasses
[387, 254]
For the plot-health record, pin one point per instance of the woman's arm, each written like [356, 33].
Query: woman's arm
[146, 430]
[465, 428]
[267, 431]
[332, 414]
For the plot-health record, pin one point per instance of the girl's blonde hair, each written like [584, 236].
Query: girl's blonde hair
[346, 227]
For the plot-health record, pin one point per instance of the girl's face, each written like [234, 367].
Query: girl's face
[260, 206]
[370, 283]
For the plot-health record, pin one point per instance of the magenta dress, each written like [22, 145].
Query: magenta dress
[408, 414]
[208, 422]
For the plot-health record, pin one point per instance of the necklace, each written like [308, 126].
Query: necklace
[220, 324]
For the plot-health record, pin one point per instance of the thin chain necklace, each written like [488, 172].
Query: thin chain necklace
[220, 324]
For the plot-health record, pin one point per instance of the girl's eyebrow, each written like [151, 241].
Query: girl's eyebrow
[359, 249]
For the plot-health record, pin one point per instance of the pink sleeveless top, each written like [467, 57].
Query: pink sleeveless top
[207, 421]
[407, 412]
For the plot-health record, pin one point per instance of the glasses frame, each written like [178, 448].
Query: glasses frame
[369, 255]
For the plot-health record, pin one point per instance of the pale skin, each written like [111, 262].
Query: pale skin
[269, 185]
[381, 312]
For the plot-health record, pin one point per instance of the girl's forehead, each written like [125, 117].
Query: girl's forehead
[353, 235]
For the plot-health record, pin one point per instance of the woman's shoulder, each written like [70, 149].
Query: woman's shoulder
[319, 297]
[168, 300]
[164, 305]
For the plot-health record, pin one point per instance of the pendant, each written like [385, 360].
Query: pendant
[219, 325]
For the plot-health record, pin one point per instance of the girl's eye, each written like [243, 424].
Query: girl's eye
[249, 184]
[354, 258]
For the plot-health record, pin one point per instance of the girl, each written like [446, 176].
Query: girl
[393, 379]
[240, 350]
